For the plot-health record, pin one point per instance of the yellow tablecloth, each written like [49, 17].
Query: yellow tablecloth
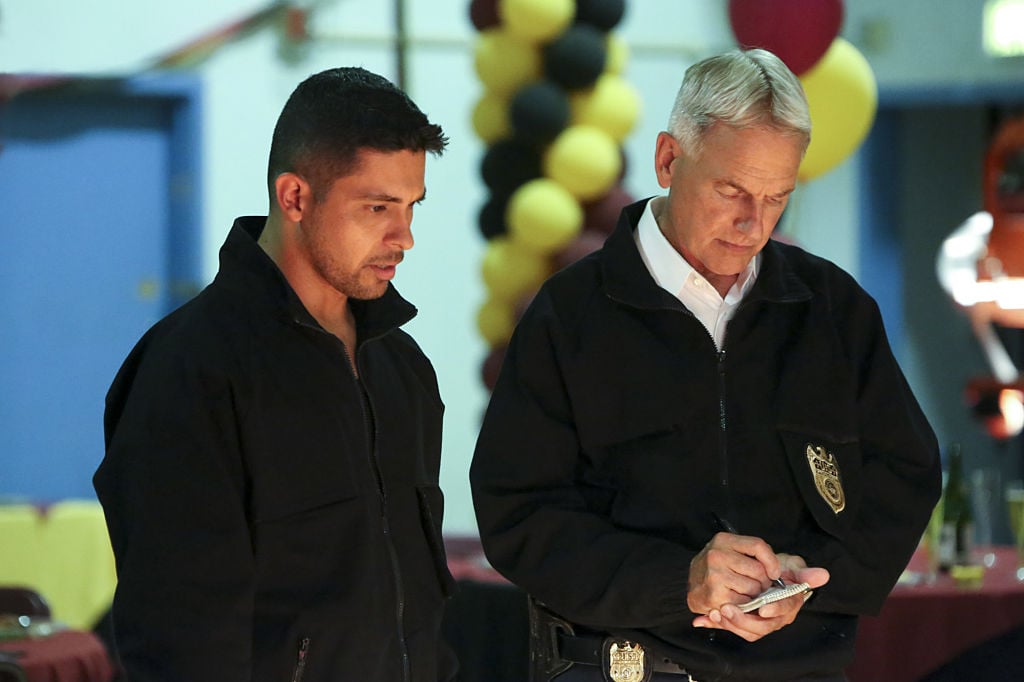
[63, 552]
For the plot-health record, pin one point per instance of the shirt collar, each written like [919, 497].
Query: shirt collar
[670, 270]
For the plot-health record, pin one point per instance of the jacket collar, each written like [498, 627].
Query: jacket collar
[628, 280]
[246, 267]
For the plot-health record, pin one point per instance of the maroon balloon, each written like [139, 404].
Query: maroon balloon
[587, 242]
[484, 14]
[799, 32]
[602, 214]
[492, 366]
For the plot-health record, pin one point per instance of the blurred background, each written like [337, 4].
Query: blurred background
[132, 134]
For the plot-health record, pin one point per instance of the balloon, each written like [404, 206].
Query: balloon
[491, 220]
[539, 112]
[799, 32]
[504, 62]
[491, 367]
[585, 160]
[617, 52]
[587, 242]
[602, 214]
[484, 14]
[508, 164]
[612, 105]
[536, 20]
[843, 97]
[543, 216]
[490, 117]
[495, 321]
[509, 269]
[603, 15]
[576, 58]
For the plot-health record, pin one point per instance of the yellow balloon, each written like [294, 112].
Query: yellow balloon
[612, 105]
[843, 97]
[504, 62]
[536, 20]
[495, 319]
[583, 159]
[510, 270]
[617, 54]
[490, 118]
[543, 216]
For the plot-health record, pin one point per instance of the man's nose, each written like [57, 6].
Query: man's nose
[401, 234]
[751, 220]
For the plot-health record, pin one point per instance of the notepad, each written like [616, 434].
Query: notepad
[774, 594]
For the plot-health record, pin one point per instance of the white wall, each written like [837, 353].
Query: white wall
[246, 83]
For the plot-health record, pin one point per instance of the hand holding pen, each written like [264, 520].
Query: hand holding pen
[725, 525]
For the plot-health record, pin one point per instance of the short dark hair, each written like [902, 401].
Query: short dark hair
[334, 114]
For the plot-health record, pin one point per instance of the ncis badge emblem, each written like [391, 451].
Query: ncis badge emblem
[826, 477]
[627, 662]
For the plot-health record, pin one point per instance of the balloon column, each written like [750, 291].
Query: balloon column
[840, 86]
[553, 114]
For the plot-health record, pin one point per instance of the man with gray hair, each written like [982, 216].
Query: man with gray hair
[701, 459]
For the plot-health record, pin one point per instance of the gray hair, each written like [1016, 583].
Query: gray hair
[740, 88]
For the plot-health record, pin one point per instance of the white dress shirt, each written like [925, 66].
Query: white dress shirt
[673, 274]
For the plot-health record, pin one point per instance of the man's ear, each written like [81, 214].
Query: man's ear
[293, 195]
[666, 151]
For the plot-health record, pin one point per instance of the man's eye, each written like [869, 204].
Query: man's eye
[379, 208]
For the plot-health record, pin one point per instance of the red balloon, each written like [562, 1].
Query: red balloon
[602, 214]
[484, 14]
[799, 32]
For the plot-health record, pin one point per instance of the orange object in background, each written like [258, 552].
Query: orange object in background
[1004, 199]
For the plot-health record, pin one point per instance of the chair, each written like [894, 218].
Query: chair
[23, 601]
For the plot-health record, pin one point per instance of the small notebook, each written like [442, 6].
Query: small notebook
[774, 594]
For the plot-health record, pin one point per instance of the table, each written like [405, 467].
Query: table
[923, 626]
[485, 621]
[66, 656]
[62, 551]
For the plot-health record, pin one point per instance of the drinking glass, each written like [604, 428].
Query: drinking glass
[1015, 508]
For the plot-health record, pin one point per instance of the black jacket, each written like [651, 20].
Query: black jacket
[616, 431]
[273, 518]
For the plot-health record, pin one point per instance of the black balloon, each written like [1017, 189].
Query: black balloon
[491, 219]
[539, 112]
[576, 58]
[601, 14]
[507, 164]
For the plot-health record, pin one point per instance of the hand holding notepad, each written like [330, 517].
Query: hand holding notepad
[774, 594]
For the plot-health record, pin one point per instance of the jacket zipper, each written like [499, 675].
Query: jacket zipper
[350, 362]
[389, 539]
[723, 440]
[300, 665]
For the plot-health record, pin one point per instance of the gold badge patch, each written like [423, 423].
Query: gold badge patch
[626, 662]
[826, 477]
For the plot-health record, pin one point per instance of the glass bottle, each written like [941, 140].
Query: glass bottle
[956, 535]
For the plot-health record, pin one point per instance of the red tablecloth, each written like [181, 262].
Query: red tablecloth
[926, 625]
[67, 656]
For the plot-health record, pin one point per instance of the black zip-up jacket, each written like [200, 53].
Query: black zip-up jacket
[617, 430]
[273, 518]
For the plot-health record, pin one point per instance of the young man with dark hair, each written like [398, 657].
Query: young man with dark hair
[271, 474]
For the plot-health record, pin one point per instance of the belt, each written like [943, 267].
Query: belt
[596, 650]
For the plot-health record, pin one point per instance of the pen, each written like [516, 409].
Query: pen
[729, 528]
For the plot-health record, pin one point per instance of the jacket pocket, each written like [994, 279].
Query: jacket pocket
[828, 474]
[431, 501]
